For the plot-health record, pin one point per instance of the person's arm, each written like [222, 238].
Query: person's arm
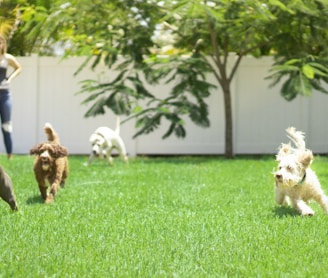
[15, 65]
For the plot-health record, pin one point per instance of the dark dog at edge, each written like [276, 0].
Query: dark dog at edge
[6, 190]
[50, 164]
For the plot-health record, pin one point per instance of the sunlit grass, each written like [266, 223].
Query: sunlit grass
[160, 217]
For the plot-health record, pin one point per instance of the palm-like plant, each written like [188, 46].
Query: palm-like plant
[9, 18]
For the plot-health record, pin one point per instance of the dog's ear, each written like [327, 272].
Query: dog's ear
[306, 158]
[60, 151]
[35, 150]
[93, 138]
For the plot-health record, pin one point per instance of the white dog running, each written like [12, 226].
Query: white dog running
[295, 181]
[104, 140]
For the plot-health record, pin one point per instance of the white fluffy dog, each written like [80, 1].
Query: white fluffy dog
[104, 140]
[295, 182]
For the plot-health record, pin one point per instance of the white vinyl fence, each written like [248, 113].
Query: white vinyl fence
[46, 92]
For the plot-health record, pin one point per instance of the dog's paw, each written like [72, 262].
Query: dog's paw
[14, 207]
[50, 199]
[309, 212]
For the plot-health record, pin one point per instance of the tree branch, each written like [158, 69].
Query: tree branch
[217, 52]
[217, 76]
[235, 67]
[226, 51]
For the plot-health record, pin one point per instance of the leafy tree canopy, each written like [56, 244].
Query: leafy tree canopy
[198, 37]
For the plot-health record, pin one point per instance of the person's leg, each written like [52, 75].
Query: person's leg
[5, 114]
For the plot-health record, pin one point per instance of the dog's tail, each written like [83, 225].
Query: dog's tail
[52, 136]
[297, 137]
[118, 124]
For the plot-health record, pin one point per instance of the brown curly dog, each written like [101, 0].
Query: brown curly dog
[50, 164]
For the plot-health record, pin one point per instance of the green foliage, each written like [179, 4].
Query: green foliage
[300, 48]
[186, 98]
[86, 28]
[9, 15]
[160, 217]
[124, 94]
[224, 26]
[302, 76]
[14, 14]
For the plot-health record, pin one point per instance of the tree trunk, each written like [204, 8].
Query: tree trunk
[229, 153]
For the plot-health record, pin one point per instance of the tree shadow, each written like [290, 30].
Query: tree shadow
[180, 159]
[282, 212]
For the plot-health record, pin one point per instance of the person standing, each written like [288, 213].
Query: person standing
[6, 60]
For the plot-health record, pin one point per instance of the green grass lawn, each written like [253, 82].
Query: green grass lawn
[161, 217]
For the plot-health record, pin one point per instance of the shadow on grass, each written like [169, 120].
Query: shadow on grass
[170, 158]
[34, 200]
[178, 159]
[282, 212]
[198, 159]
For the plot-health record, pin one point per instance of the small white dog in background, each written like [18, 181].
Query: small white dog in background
[295, 182]
[104, 140]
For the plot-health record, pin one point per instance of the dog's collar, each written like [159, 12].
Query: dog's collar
[302, 180]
